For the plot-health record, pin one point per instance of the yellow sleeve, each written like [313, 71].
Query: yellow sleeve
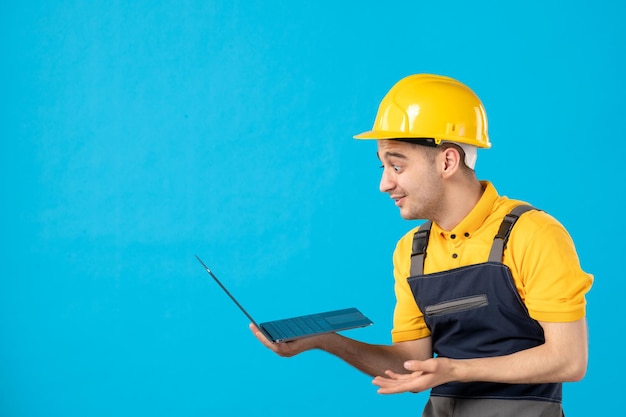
[546, 269]
[408, 320]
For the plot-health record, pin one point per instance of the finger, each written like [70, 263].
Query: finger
[381, 380]
[396, 389]
[413, 365]
[384, 382]
[392, 374]
[259, 335]
[404, 376]
[389, 386]
[427, 366]
[391, 379]
[395, 386]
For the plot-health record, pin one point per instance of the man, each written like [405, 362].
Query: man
[492, 326]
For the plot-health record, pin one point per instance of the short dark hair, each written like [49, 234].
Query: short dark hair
[447, 145]
[436, 148]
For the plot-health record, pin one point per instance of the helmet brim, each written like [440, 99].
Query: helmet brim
[377, 134]
[386, 135]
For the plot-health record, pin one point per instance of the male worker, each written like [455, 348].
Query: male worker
[490, 310]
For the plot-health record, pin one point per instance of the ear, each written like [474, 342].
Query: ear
[451, 161]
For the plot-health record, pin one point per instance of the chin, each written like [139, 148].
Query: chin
[408, 215]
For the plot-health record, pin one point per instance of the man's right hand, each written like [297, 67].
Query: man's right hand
[287, 349]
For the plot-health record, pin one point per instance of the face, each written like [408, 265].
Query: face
[410, 178]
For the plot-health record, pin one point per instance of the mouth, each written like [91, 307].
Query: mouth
[398, 199]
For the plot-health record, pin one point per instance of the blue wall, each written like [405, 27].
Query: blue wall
[134, 135]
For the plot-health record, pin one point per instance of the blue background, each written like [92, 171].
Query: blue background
[137, 134]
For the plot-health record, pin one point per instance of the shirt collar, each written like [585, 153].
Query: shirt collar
[472, 222]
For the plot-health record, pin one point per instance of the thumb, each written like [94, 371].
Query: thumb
[412, 365]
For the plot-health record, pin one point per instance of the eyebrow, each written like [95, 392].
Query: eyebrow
[392, 155]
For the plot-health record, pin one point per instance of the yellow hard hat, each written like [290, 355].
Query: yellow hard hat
[431, 106]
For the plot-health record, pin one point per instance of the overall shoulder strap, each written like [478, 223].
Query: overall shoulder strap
[420, 241]
[499, 241]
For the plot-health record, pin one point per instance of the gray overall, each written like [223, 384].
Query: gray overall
[472, 312]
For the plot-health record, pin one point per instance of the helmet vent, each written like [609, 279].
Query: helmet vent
[454, 129]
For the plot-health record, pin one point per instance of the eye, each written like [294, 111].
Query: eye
[396, 168]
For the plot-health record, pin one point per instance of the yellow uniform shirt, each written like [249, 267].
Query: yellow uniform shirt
[540, 254]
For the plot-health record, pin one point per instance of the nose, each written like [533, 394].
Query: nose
[386, 182]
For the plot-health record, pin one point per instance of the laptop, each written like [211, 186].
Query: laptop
[294, 328]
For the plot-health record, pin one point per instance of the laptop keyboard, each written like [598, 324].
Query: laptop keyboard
[284, 329]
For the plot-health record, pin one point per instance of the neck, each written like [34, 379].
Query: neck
[460, 199]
